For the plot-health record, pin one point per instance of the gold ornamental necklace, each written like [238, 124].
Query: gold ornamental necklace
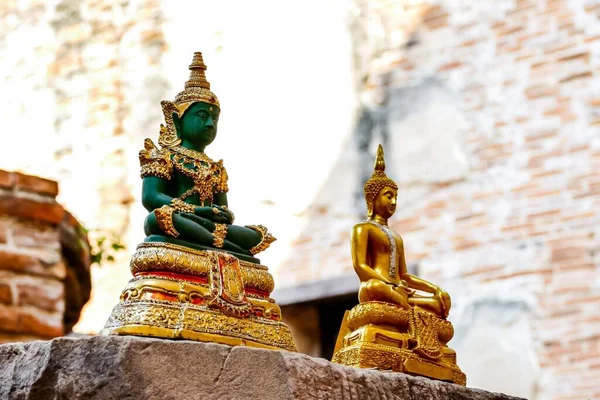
[202, 175]
[388, 232]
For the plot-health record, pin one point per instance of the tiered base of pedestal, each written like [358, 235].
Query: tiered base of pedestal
[208, 296]
[185, 321]
[388, 358]
[386, 337]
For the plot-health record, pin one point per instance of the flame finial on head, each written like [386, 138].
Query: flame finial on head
[377, 181]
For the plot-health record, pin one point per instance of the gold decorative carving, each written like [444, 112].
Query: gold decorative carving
[227, 285]
[205, 295]
[155, 161]
[168, 134]
[180, 292]
[180, 205]
[187, 321]
[219, 233]
[164, 218]
[377, 182]
[177, 259]
[377, 312]
[385, 358]
[394, 327]
[197, 88]
[266, 240]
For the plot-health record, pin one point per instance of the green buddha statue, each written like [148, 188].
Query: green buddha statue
[184, 190]
[195, 276]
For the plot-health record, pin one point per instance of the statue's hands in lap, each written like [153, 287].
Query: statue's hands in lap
[225, 212]
[403, 288]
[215, 214]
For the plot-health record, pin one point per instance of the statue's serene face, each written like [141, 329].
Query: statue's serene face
[385, 202]
[198, 126]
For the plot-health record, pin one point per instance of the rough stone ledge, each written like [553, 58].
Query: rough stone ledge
[143, 368]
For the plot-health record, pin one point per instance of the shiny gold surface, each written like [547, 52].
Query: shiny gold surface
[266, 240]
[186, 321]
[164, 218]
[178, 291]
[219, 233]
[212, 296]
[197, 87]
[177, 259]
[394, 327]
[155, 161]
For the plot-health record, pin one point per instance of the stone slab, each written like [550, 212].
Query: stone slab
[102, 367]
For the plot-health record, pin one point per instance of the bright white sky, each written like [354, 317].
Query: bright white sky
[283, 77]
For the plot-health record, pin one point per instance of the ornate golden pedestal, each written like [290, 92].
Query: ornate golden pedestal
[208, 296]
[385, 336]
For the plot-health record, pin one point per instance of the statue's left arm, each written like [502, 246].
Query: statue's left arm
[220, 196]
[413, 281]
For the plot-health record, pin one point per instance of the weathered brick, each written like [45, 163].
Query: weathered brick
[26, 263]
[510, 30]
[16, 320]
[41, 325]
[35, 184]
[576, 76]
[46, 294]
[485, 270]
[51, 212]
[539, 159]
[583, 56]
[4, 227]
[534, 92]
[5, 294]
[36, 235]
[450, 66]
[7, 179]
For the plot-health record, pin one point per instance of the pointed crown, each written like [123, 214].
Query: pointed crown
[377, 182]
[197, 88]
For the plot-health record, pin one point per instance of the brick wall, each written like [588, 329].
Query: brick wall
[520, 223]
[85, 81]
[44, 281]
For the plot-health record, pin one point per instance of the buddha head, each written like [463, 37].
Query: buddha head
[380, 191]
[192, 118]
[198, 125]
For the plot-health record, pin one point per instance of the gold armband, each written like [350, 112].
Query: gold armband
[266, 240]
[164, 218]
[219, 233]
[155, 161]
[182, 206]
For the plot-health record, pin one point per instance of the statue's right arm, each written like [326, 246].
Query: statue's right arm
[360, 241]
[153, 193]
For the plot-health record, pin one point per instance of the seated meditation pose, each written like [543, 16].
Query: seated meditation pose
[394, 326]
[183, 189]
[195, 275]
[378, 253]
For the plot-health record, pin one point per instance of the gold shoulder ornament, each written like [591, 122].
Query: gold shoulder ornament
[155, 161]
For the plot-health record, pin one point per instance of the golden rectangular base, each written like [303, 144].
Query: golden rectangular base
[193, 322]
[386, 358]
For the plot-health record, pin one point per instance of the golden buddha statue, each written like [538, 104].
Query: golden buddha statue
[393, 327]
[196, 276]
